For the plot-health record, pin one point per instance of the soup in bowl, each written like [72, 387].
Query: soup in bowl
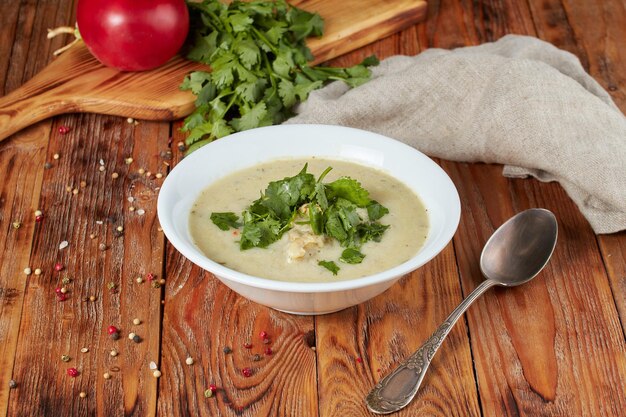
[308, 219]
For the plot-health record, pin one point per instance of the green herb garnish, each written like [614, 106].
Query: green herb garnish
[351, 256]
[330, 209]
[330, 265]
[225, 220]
[259, 66]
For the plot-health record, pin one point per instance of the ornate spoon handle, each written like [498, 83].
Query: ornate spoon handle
[397, 389]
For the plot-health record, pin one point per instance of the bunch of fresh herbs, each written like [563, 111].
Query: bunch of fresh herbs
[259, 66]
[331, 209]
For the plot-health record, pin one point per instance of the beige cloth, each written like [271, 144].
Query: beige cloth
[519, 101]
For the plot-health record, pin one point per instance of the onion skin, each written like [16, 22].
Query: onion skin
[133, 35]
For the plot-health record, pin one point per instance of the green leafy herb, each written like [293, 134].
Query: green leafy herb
[225, 220]
[331, 209]
[351, 256]
[259, 66]
[330, 265]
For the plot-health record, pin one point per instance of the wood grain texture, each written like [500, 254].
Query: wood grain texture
[77, 82]
[201, 317]
[574, 363]
[554, 347]
[601, 54]
[77, 323]
[387, 329]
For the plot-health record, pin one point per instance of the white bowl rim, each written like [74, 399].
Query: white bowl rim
[222, 272]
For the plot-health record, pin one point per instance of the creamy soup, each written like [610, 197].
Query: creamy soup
[407, 220]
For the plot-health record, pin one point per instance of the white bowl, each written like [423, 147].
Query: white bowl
[242, 150]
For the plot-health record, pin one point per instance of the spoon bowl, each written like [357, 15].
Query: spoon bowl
[513, 255]
[520, 248]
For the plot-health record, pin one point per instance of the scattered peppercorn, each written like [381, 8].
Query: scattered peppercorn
[37, 271]
[82, 394]
[17, 225]
[150, 276]
[139, 280]
[107, 375]
[213, 388]
[189, 360]
[61, 297]
[247, 345]
[58, 267]
[128, 160]
[115, 175]
[268, 351]
[227, 350]
[136, 322]
[256, 357]
[56, 156]
[47, 165]
[73, 372]
[208, 393]
[65, 358]
[92, 298]
[131, 335]
[115, 336]
[359, 360]
[263, 335]
[84, 350]
[266, 341]
[137, 339]
[156, 373]
[181, 146]
[12, 384]
[112, 329]
[113, 352]
[28, 271]
[63, 130]
[247, 372]
[102, 246]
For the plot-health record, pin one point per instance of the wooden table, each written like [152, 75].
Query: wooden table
[555, 347]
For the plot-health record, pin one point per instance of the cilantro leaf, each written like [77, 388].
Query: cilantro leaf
[351, 256]
[350, 190]
[331, 209]
[251, 118]
[330, 265]
[371, 231]
[375, 211]
[260, 234]
[259, 65]
[225, 220]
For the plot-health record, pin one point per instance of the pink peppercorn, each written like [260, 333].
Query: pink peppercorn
[61, 297]
[63, 130]
[150, 276]
[58, 290]
[247, 345]
[39, 218]
[73, 372]
[112, 329]
[247, 372]
[213, 388]
[268, 351]
[359, 360]
[58, 267]
[263, 335]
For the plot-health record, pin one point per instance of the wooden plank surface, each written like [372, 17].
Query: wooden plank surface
[554, 347]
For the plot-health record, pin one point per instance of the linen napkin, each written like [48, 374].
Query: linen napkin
[519, 101]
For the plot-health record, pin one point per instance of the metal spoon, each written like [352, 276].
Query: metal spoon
[513, 255]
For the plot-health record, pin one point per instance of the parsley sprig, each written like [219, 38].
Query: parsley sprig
[330, 209]
[259, 66]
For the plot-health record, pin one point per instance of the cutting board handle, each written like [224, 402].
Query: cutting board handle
[25, 106]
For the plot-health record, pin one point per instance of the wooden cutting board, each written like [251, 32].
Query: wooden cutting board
[77, 82]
